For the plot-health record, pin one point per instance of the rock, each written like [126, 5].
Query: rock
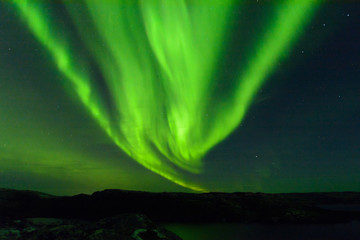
[61, 232]
[120, 227]
[9, 234]
[154, 234]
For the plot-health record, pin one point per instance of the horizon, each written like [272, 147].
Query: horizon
[170, 192]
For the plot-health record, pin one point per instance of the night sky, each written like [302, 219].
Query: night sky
[183, 96]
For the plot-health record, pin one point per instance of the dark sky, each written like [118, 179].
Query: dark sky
[301, 132]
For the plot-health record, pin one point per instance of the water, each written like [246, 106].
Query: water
[236, 231]
[341, 207]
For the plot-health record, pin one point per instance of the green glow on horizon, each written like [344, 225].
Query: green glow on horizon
[157, 60]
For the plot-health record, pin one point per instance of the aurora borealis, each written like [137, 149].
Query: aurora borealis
[164, 83]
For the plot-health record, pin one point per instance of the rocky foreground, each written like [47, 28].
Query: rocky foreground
[119, 227]
[118, 214]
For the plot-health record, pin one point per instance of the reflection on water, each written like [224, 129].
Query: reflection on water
[341, 207]
[236, 231]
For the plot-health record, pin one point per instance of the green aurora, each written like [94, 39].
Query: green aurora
[159, 62]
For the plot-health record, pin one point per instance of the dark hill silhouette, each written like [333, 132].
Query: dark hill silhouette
[186, 207]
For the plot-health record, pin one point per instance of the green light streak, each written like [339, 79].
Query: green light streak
[157, 59]
[288, 24]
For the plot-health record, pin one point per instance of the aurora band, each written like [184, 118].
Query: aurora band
[157, 60]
